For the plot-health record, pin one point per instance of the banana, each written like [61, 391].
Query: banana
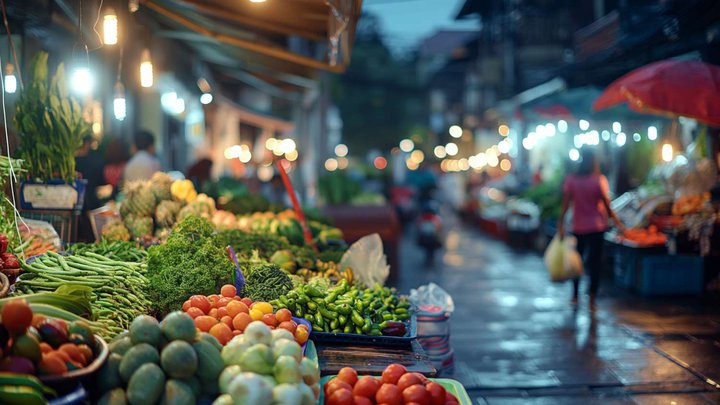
[21, 395]
[17, 379]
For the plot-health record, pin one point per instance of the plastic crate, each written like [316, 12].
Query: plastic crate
[670, 275]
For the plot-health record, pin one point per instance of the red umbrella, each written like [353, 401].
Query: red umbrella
[670, 87]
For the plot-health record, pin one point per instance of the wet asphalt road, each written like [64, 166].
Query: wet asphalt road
[517, 339]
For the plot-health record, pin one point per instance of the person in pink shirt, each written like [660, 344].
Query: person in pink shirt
[588, 193]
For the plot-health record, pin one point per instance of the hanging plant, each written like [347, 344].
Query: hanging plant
[50, 124]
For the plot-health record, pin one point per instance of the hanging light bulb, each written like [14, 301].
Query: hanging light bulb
[146, 69]
[133, 5]
[119, 104]
[82, 80]
[10, 79]
[110, 27]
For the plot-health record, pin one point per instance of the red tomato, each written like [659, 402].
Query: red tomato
[334, 385]
[362, 400]
[228, 290]
[416, 393]
[437, 393]
[366, 387]
[389, 394]
[343, 396]
[247, 301]
[194, 312]
[422, 378]
[407, 380]
[450, 397]
[349, 375]
[283, 315]
[392, 373]
[270, 320]
[451, 403]
[202, 302]
[186, 305]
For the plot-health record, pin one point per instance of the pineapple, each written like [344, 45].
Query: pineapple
[139, 226]
[139, 199]
[115, 230]
[162, 234]
[160, 183]
[166, 212]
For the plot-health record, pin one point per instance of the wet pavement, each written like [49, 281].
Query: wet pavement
[517, 339]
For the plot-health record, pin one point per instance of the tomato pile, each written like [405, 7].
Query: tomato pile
[395, 387]
[226, 315]
[645, 237]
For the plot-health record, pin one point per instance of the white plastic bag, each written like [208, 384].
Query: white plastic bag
[562, 260]
[367, 261]
[432, 295]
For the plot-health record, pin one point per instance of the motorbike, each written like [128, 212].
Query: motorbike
[429, 228]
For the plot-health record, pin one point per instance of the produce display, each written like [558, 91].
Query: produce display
[348, 309]
[47, 107]
[190, 262]
[287, 225]
[35, 344]
[688, 204]
[119, 289]
[265, 367]
[396, 386]
[227, 315]
[148, 208]
[7, 211]
[9, 263]
[116, 250]
[166, 362]
[644, 237]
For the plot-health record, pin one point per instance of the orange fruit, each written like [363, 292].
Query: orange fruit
[214, 313]
[74, 352]
[194, 312]
[228, 290]
[45, 348]
[187, 304]
[205, 322]
[235, 307]
[37, 319]
[222, 311]
[241, 321]
[301, 335]
[202, 302]
[227, 321]
[17, 316]
[222, 333]
[87, 352]
[283, 315]
[52, 364]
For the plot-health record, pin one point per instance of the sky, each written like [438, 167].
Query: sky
[406, 22]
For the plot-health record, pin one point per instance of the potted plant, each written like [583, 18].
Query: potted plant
[51, 127]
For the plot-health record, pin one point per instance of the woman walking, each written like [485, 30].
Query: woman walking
[588, 193]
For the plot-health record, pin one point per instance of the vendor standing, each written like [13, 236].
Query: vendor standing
[143, 163]
[589, 194]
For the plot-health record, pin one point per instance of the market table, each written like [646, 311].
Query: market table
[373, 359]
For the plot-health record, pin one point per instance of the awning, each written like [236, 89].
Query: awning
[282, 42]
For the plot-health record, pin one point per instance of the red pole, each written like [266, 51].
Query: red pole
[296, 204]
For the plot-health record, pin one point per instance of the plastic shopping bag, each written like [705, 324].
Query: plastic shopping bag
[367, 261]
[563, 262]
[572, 261]
[432, 295]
